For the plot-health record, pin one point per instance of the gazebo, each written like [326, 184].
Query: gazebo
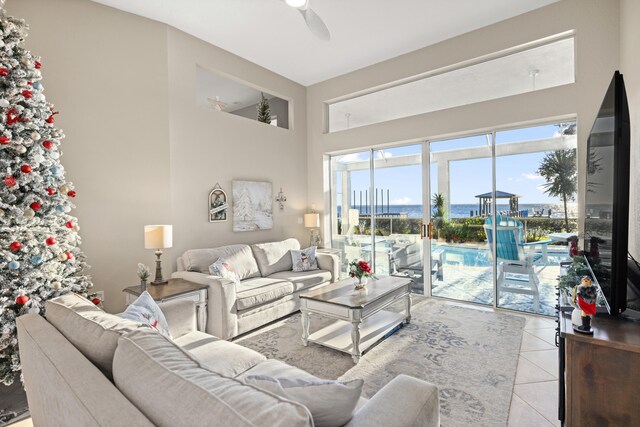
[484, 202]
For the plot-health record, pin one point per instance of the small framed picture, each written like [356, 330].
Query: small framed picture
[218, 205]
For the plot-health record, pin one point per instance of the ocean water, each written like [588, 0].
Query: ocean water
[464, 210]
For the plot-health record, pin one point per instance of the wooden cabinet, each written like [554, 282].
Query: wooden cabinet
[601, 373]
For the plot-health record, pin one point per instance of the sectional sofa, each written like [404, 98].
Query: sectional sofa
[85, 367]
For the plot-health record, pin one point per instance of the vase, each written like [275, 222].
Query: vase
[143, 285]
[360, 282]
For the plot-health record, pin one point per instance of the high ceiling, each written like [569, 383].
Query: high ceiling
[363, 32]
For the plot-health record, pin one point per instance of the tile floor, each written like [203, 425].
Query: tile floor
[534, 402]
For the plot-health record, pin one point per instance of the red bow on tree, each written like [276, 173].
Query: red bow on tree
[12, 117]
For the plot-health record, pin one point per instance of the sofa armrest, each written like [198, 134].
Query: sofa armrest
[405, 401]
[331, 263]
[180, 315]
[222, 318]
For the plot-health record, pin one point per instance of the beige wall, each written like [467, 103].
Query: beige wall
[595, 23]
[209, 147]
[106, 73]
[630, 68]
[138, 148]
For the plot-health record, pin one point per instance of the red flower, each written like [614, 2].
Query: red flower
[364, 266]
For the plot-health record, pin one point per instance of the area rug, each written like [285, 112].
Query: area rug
[470, 354]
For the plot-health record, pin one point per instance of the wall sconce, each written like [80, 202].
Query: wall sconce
[281, 198]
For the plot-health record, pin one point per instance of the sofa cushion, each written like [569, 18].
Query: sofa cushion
[304, 259]
[274, 257]
[239, 257]
[303, 279]
[172, 388]
[278, 369]
[91, 330]
[331, 403]
[145, 310]
[219, 356]
[260, 290]
[221, 268]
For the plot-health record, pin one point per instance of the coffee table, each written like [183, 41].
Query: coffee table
[360, 316]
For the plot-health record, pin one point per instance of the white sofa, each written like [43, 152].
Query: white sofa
[268, 289]
[84, 367]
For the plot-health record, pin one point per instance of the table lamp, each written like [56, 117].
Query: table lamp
[158, 237]
[312, 221]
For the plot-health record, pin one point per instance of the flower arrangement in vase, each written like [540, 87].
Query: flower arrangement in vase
[360, 270]
[143, 274]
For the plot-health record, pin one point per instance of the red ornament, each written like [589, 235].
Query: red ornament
[4, 72]
[70, 224]
[9, 181]
[37, 64]
[30, 84]
[4, 140]
[26, 168]
[50, 241]
[22, 300]
[15, 246]
[27, 94]
[71, 194]
[96, 301]
[51, 191]
[47, 144]
[50, 119]
[69, 255]
[36, 206]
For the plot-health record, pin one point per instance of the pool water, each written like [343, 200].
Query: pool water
[480, 257]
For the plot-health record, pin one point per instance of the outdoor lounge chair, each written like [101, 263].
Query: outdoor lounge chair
[516, 271]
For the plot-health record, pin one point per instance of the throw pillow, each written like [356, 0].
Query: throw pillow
[222, 268]
[145, 310]
[331, 403]
[305, 259]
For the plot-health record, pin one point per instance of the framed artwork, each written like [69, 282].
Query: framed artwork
[218, 205]
[252, 205]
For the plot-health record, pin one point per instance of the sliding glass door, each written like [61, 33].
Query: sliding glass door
[377, 210]
[461, 174]
[500, 209]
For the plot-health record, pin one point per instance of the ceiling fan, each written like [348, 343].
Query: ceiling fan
[217, 104]
[314, 22]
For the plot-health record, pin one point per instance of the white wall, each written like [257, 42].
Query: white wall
[595, 23]
[138, 148]
[630, 68]
[106, 73]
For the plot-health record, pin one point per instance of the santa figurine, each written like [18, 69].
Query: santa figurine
[584, 295]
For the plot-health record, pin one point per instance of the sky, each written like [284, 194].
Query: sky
[514, 174]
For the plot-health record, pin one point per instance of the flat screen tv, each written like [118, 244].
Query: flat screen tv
[606, 224]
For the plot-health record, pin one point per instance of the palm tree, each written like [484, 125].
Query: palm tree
[560, 171]
[438, 204]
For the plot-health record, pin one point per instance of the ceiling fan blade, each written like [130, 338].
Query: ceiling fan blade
[315, 24]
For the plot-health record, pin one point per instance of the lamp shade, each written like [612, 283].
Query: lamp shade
[158, 236]
[354, 216]
[312, 220]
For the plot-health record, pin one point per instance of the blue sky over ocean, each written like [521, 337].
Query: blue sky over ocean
[514, 174]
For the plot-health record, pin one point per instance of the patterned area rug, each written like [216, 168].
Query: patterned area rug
[470, 354]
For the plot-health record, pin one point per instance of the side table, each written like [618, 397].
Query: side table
[175, 289]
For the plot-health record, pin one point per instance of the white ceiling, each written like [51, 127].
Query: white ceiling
[363, 32]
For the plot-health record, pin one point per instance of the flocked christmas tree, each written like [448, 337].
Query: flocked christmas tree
[39, 254]
[264, 113]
